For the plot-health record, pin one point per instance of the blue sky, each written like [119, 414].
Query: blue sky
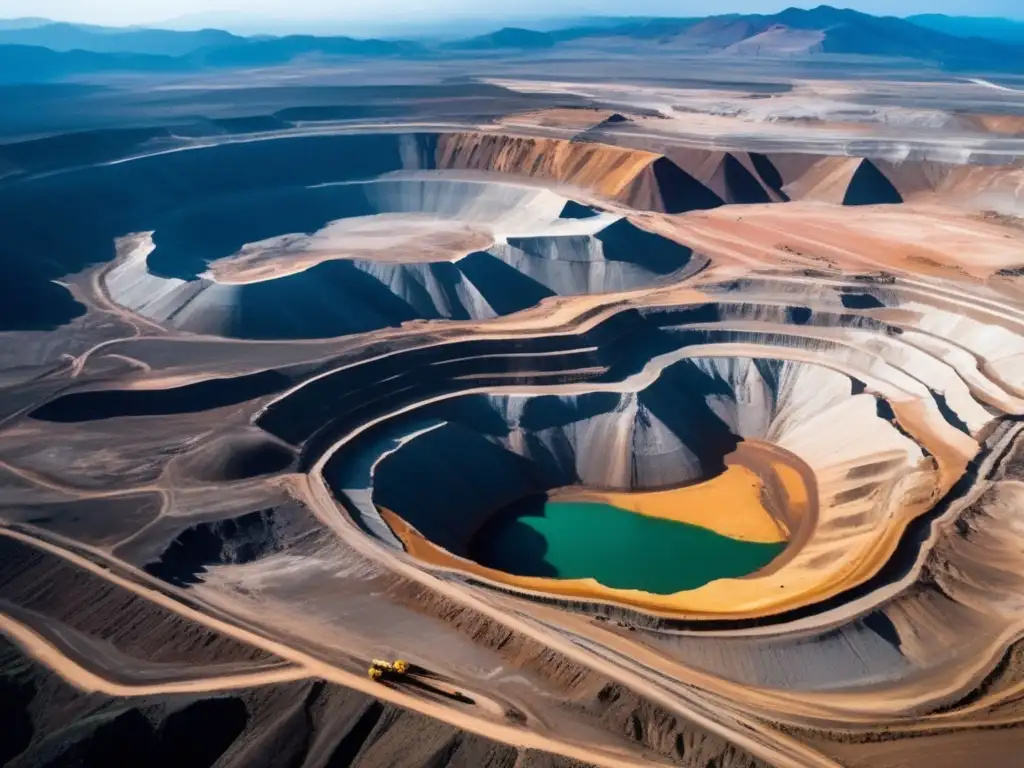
[149, 11]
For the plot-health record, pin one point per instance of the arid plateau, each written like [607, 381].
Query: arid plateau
[652, 422]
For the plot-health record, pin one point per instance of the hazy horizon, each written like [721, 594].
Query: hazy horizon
[398, 13]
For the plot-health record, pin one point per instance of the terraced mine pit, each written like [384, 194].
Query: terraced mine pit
[647, 454]
[658, 460]
[374, 254]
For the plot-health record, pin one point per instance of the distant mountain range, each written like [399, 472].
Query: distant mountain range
[509, 37]
[38, 50]
[25, 22]
[60, 36]
[147, 50]
[1004, 30]
[795, 31]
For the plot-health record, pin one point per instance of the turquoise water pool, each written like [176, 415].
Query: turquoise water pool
[618, 548]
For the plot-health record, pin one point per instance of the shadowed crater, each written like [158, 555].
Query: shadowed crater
[335, 259]
[222, 542]
[509, 482]
[201, 396]
[235, 457]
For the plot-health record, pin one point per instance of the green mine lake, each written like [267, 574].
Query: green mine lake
[618, 548]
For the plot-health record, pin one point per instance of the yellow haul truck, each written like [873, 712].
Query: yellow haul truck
[382, 670]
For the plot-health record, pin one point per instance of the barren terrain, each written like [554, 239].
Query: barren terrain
[266, 390]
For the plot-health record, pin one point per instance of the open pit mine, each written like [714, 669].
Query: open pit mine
[633, 455]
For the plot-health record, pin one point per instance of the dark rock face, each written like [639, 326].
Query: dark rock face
[240, 540]
[15, 696]
[196, 735]
[869, 186]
